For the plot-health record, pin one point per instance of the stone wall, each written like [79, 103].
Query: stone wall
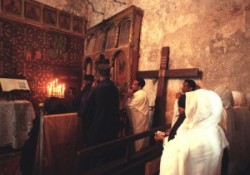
[211, 35]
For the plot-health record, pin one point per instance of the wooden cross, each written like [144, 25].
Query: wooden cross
[1, 29]
[1, 68]
[162, 75]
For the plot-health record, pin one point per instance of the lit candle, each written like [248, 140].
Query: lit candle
[55, 89]
[61, 92]
[48, 91]
[63, 89]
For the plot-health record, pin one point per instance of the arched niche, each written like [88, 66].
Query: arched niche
[120, 71]
[99, 42]
[89, 43]
[124, 32]
[111, 37]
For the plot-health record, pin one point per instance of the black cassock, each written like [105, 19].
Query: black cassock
[100, 113]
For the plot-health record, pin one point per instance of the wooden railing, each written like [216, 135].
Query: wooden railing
[129, 160]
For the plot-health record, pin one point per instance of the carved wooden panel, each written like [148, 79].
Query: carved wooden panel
[13, 7]
[111, 37]
[124, 32]
[89, 44]
[99, 42]
[120, 72]
[118, 39]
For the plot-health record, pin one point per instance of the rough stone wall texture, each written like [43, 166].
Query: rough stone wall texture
[209, 34]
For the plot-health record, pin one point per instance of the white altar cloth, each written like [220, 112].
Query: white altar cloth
[16, 119]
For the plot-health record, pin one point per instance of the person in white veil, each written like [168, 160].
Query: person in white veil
[197, 148]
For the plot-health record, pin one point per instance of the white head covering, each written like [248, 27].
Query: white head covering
[226, 96]
[239, 98]
[203, 109]
[198, 146]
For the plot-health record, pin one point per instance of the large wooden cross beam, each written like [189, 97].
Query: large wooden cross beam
[163, 75]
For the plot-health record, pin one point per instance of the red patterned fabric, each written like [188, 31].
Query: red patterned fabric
[39, 55]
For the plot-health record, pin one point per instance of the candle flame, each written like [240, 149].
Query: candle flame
[54, 89]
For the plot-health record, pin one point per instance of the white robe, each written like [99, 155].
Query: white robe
[137, 108]
[197, 148]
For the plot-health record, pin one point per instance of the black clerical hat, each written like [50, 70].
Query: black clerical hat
[104, 69]
[103, 66]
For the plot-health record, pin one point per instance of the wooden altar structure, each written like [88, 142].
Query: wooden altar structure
[118, 39]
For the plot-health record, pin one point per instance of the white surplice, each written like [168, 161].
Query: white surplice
[137, 108]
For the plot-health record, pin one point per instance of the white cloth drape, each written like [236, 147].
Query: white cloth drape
[16, 121]
[197, 148]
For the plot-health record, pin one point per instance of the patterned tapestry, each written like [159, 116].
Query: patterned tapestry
[40, 55]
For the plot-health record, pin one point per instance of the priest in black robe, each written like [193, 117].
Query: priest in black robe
[100, 114]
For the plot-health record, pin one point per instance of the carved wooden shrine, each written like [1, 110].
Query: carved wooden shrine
[118, 39]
